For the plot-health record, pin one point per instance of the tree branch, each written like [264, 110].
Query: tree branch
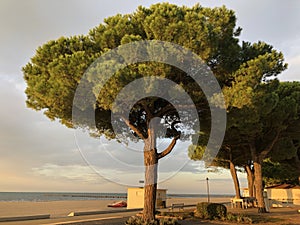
[146, 108]
[132, 127]
[265, 152]
[169, 148]
[165, 110]
[252, 150]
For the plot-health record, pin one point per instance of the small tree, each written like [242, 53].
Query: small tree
[265, 121]
[234, 153]
[283, 164]
[279, 173]
[259, 109]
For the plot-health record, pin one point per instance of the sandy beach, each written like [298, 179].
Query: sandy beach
[60, 209]
[63, 208]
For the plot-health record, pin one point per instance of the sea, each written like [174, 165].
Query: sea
[67, 196]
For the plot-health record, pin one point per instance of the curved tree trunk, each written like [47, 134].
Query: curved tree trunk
[250, 179]
[235, 180]
[257, 158]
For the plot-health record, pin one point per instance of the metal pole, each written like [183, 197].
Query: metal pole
[207, 187]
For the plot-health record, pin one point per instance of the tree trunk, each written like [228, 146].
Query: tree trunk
[151, 157]
[235, 180]
[250, 179]
[259, 186]
[150, 162]
[297, 160]
[258, 180]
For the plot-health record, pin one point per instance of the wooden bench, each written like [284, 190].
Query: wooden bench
[236, 202]
[179, 206]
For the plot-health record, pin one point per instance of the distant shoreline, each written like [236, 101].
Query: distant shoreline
[77, 196]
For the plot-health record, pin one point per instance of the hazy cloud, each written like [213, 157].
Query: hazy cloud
[78, 173]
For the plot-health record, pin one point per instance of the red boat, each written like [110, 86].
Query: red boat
[118, 204]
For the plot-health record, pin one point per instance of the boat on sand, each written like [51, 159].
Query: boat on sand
[118, 204]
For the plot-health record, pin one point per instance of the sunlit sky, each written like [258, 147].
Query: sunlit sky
[37, 154]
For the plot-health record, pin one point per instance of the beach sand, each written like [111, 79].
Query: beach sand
[63, 208]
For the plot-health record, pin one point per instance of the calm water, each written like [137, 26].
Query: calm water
[67, 196]
[57, 196]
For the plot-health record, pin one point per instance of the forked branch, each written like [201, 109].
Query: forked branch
[271, 145]
[169, 148]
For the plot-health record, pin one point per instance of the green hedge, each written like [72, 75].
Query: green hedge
[207, 210]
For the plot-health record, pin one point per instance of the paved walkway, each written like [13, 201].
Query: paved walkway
[277, 215]
[115, 218]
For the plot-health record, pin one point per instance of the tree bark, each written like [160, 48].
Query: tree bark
[151, 157]
[258, 180]
[250, 179]
[259, 186]
[150, 185]
[235, 180]
[150, 162]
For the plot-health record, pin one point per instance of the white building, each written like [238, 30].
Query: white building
[284, 195]
[135, 198]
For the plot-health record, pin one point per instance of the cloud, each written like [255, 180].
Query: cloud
[78, 173]
[101, 153]
[293, 71]
[28, 138]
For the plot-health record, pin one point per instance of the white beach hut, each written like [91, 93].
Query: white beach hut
[135, 198]
[283, 195]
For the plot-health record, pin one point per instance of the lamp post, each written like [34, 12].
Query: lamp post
[141, 182]
[207, 187]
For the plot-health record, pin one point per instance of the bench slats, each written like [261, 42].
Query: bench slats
[177, 205]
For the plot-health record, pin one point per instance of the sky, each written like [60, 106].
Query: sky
[37, 154]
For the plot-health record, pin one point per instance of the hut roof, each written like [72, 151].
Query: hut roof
[284, 186]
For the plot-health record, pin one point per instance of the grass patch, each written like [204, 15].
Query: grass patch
[234, 218]
[264, 219]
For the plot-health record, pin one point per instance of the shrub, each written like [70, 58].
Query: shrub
[137, 220]
[201, 210]
[206, 210]
[219, 210]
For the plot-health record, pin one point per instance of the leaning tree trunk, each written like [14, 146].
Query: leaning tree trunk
[258, 180]
[150, 162]
[259, 186]
[258, 158]
[250, 180]
[235, 180]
